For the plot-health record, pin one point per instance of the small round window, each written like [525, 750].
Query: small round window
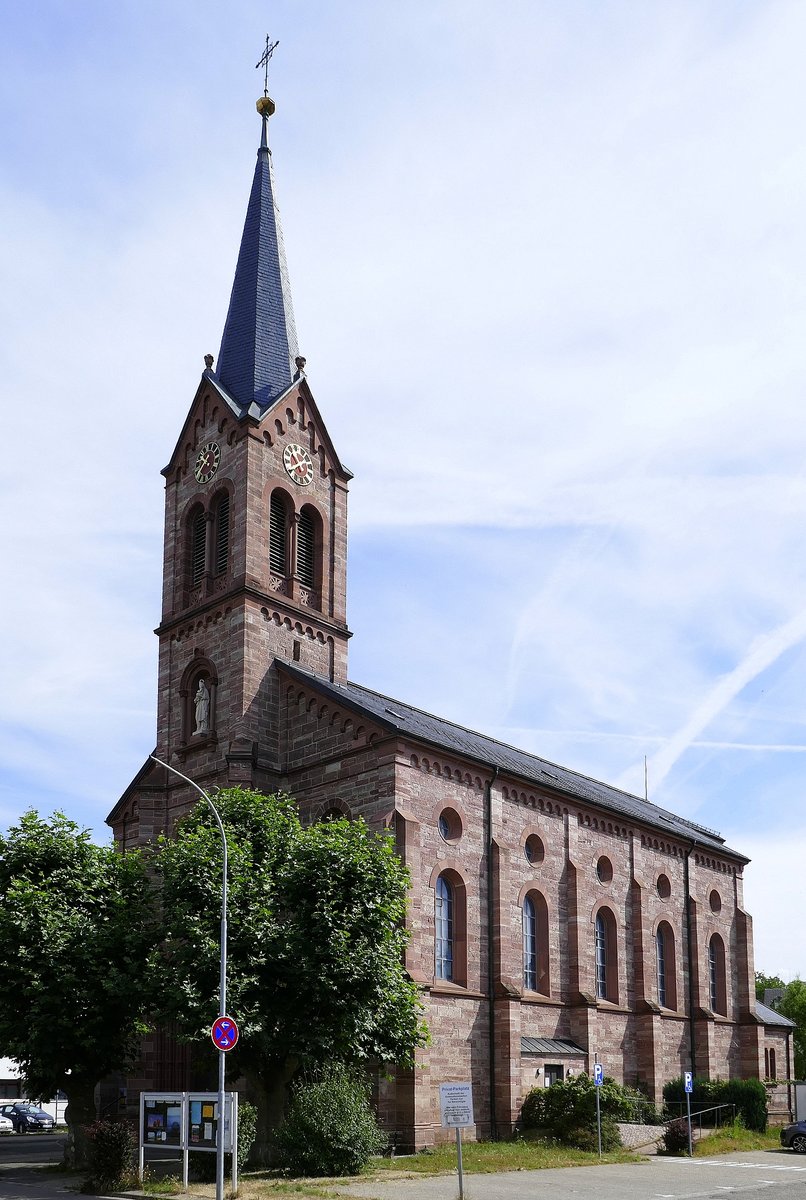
[715, 900]
[534, 849]
[664, 887]
[450, 825]
[604, 869]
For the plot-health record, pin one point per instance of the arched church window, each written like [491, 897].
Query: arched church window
[535, 943]
[221, 522]
[444, 929]
[450, 927]
[278, 534]
[529, 944]
[666, 966]
[717, 989]
[606, 956]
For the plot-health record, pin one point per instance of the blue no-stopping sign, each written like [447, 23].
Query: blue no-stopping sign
[224, 1033]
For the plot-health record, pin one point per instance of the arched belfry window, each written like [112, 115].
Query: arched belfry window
[306, 549]
[278, 534]
[207, 543]
[198, 546]
[309, 556]
[221, 534]
[717, 983]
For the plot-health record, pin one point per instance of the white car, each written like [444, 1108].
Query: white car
[6, 1126]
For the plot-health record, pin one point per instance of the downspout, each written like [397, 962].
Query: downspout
[789, 1039]
[689, 951]
[488, 819]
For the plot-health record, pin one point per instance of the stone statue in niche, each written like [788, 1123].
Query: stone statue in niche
[202, 704]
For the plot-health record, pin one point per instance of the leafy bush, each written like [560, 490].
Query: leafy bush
[675, 1137]
[112, 1149]
[567, 1111]
[749, 1096]
[586, 1137]
[573, 1102]
[329, 1128]
[247, 1131]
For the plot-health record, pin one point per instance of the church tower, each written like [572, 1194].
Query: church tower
[255, 542]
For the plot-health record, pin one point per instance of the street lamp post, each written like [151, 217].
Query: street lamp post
[222, 1004]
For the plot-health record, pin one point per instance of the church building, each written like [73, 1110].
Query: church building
[552, 917]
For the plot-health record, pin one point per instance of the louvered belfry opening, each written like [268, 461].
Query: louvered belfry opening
[222, 535]
[278, 535]
[306, 548]
[198, 548]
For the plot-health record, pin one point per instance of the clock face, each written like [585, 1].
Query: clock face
[207, 462]
[298, 463]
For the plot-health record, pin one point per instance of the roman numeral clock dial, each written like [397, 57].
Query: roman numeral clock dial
[207, 462]
[298, 464]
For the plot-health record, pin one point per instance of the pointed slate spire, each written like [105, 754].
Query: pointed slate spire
[259, 344]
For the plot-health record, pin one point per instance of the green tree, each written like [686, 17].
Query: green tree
[76, 929]
[767, 981]
[315, 942]
[793, 1005]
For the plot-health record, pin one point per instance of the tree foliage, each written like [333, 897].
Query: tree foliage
[767, 981]
[749, 1096]
[793, 1005]
[76, 928]
[315, 940]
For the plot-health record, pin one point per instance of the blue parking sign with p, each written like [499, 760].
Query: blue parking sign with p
[688, 1081]
[598, 1074]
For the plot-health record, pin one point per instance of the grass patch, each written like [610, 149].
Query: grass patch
[477, 1158]
[480, 1158]
[170, 1185]
[736, 1137]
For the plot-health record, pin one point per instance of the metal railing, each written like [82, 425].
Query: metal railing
[724, 1114]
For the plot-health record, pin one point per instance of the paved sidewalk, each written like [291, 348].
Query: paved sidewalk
[33, 1183]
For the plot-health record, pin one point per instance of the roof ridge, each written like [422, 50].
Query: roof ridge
[567, 777]
[538, 757]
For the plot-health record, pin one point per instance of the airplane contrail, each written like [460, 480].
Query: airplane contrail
[763, 652]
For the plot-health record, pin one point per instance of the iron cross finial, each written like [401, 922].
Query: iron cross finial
[263, 61]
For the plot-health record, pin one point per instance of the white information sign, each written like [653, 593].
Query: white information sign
[456, 1105]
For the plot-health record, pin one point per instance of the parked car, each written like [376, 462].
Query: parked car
[794, 1136]
[26, 1117]
[6, 1125]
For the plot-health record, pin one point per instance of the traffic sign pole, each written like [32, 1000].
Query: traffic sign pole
[688, 1083]
[598, 1080]
[459, 1162]
[219, 1175]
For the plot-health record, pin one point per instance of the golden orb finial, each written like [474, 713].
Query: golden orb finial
[265, 106]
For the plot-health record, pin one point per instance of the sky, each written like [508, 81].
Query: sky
[549, 274]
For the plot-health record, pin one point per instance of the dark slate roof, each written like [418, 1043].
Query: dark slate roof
[421, 726]
[259, 345]
[551, 1046]
[770, 1017]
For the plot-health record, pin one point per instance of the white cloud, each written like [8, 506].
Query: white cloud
[550, 277]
